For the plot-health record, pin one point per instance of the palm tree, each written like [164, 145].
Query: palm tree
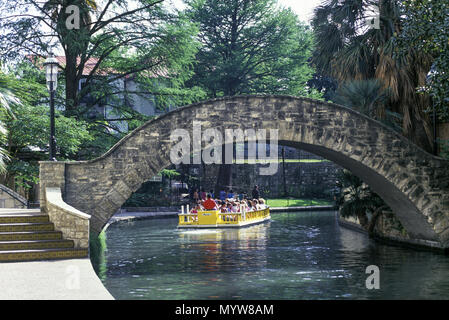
[7, 99]
[368, 97]
[347, 49]
[356, 198]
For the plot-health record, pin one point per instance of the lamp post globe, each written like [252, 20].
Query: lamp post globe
[51, 74]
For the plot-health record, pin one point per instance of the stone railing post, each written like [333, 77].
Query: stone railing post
[51, 175]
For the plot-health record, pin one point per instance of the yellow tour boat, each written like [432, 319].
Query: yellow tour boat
[217, 219]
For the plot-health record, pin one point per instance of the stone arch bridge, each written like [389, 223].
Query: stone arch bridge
[412, 182]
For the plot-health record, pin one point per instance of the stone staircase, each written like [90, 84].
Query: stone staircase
[28, 235]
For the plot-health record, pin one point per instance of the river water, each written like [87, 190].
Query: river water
[303, 255]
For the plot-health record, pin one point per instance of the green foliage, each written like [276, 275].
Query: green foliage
[144, 43]
[444, 148]
[426, 29]
[7, 100]
[370, 98]
[26, 173]
[170, 174]
[29, 130]
[159, 65]
[365, 96]
[251, 47]
[31, 127]
[356, 197]
[347, 49]
[293, 202]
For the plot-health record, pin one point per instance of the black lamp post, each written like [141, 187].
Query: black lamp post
[51, 66]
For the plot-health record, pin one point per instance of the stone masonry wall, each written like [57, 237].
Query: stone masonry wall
[73, 224]
[305, 179]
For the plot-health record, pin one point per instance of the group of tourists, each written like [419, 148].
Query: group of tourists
[228, 201]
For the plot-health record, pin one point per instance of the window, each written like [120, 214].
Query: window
[82, 84]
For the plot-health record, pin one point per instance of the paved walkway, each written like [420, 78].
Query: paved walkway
[71, 279]
[51, 280]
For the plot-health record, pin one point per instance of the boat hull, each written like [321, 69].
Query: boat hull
[224, 226]
[215, 219]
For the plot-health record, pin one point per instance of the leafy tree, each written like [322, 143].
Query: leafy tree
[347, 49]
[426, 28]
[7, 100]
[29, 130]
[112, 43]
[250, 47]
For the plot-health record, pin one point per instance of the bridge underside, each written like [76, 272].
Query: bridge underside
[413, 221]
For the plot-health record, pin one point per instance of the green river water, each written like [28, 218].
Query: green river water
[301, 255]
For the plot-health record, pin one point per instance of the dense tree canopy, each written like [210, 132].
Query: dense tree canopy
[144, 42]
[426, 28]
[250, 46]
[28, 130]
[349, 48]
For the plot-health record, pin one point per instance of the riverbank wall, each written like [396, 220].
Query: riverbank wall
[388, 230]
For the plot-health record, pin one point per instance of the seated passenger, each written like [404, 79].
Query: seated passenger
[195, 212]
[250, 206]
[231, 195]
[223, 195]
[195, 209]
[234, 207]
[223, 207]
[210, 204]
[257, 205]
[245, 205]
[262, 203]
[199, 203]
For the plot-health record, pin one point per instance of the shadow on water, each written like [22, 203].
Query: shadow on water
[304, 255]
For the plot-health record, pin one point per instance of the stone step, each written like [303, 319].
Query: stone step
[4, 211]
[43, 254]
[35, 244]
[23, 218]
[30, 235]
[18, 227]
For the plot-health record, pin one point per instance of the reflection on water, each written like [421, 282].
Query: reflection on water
[295, 256]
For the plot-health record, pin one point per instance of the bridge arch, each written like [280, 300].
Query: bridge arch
[412, 182]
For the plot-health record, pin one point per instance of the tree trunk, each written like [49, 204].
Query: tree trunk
[421, 133]
[71, 82]
[372, 223]
[363, 219]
